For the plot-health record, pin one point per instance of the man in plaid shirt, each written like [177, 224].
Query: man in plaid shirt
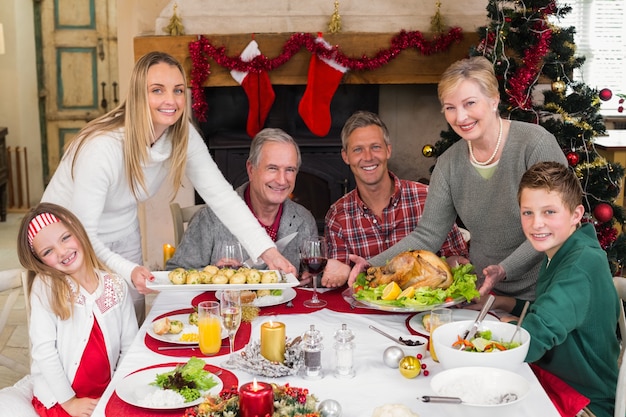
[381, 210]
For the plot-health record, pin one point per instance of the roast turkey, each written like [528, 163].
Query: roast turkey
[418, 268]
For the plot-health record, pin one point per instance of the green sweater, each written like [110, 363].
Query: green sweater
[573, 320]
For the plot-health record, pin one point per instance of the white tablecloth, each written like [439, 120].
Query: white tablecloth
[375, 384]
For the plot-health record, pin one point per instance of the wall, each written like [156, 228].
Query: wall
[19, 110]
[405, 109]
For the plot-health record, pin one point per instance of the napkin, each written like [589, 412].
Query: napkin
[566, 399]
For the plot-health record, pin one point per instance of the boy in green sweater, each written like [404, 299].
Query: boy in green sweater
[573, 320]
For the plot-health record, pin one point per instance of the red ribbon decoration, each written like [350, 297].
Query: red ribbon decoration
[202, 49]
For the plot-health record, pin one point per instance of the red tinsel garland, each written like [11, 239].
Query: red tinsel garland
[520, 83]
[202, 49]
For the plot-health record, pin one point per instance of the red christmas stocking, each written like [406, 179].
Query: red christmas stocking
[258, 89]
[323, 79]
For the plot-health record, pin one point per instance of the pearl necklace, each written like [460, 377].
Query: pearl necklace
[495, 151]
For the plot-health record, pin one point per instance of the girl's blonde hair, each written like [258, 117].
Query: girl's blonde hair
[62, 297]
[478, 69]
[133, 115]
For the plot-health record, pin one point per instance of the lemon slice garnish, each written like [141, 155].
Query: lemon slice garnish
[407, 292]
[391, 291]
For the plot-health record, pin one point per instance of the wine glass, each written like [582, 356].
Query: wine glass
[230, 255]
[230, 311]
[313, 256]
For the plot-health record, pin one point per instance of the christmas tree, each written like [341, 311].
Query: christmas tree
[529, 50]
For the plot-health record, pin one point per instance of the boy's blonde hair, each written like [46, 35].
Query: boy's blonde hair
[62, 298]
[553, 177]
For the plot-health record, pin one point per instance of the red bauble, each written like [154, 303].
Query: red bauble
[603, 212]
[572, 158]
[605, 94]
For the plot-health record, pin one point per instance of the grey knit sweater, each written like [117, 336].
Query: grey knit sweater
[487, 207]
[205, 231]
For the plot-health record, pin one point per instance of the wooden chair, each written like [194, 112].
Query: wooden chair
[620, 395]
[181, 216]
[11, 283]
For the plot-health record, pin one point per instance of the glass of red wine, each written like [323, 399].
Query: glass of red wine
[313, 257]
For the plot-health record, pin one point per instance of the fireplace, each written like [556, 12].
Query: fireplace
[323, 176]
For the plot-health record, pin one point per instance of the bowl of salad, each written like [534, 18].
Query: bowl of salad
[490, 347]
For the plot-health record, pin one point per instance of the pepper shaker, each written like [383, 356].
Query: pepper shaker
[312, 347]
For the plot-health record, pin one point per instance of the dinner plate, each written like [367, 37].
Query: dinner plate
[162, 283]
[175, 338]
[269, 300]
[481, 386]
[348, 296]
[134, 388]
[458, 314]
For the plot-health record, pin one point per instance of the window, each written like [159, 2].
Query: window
[601, 38]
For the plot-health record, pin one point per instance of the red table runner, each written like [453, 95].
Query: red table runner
[333, 297]
[241, 340]
[117, 408]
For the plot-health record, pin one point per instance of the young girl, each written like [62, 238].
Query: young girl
[82, 319]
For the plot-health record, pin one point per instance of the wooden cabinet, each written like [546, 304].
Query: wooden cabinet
[4, 174]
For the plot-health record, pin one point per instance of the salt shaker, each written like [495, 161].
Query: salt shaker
[312, 347]
[344, 352]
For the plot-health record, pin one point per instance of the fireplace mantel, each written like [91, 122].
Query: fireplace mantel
[410, 67]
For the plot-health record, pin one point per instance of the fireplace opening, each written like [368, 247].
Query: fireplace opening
[323, 177]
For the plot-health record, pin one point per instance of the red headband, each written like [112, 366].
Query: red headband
[39, 222]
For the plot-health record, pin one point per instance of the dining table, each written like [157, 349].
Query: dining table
[373, 385]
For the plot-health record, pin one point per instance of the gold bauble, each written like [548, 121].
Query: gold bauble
[558, 86]
[427, 151]
[410, 367]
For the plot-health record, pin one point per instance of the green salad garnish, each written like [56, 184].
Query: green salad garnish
[188, 379]
[463, 286]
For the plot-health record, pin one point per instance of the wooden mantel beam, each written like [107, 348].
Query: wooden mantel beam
[410, 67]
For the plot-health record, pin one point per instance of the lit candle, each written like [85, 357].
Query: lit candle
[168, 252]
[273, 341]
[256, 399]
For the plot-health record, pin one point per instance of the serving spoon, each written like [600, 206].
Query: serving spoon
[387, 335]
[504, 398]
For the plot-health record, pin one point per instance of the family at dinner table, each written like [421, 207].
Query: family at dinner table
[506, 182]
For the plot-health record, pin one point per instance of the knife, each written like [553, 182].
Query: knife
[281, 244]
[472, 330]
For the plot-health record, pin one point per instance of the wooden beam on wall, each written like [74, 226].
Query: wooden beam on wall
[410, 67]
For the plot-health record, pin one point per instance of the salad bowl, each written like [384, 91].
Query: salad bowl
[445, 339]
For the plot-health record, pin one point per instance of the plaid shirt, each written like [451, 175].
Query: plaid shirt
[352, 228]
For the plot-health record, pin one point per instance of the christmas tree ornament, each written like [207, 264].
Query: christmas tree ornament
[603, 212]
[175, 26]
[436, 22]
[258, 88]
[410, 367]
[427, 151]
[605, 94]
[558, 86]
[323, 79]
[335, 20]
[329, 408]
[572, 158]
[392, 356]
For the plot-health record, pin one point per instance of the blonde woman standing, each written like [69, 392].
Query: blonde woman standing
[123, 158]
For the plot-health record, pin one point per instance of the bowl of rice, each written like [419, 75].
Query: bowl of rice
[481, 386]
[496, 350]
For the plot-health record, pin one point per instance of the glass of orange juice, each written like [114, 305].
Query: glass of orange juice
[209, 327]
[438, 317]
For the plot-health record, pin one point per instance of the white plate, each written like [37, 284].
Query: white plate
[269, 300]
[458, 314]
[162, 283]
[175, 338]
[348, 296]
[480, 386]
[135, 387]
